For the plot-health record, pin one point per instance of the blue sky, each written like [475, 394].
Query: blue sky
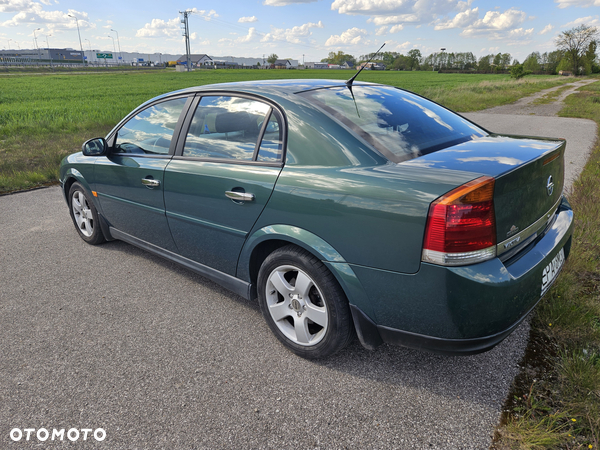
[299, 29]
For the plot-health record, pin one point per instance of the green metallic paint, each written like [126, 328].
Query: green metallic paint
[127, 204]
[373, 216]
[207, 226]
[465, 302]
[294, 235]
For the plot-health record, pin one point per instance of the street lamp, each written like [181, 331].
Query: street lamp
[78, 34]
[49, 52]
[118, 42]
[9, 44]
[36, 44]
[114, 48]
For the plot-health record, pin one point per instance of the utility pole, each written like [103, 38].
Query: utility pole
[78, 34]
[186, 33]
[118, 42]
[49, 51]
[36, 44]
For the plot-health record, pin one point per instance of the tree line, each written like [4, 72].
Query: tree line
[576, 52]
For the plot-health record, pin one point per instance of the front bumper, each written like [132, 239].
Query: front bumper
[458, 310]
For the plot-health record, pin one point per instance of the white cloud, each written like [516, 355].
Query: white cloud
[547, 29]
[169, 28]
[461, 20]
[293, 35]
[285, 2]
[590, 21]
[248, 19]
[391, 12]
[396, 28]
[34, 14]
[391, 20]
[579, 3]
[381, 31]
[206, 15]
[160, 28]
[349, 37]
[495, 25]
[252, 35]
[10, 6]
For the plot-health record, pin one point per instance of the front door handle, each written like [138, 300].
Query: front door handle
[239, 196]
[150, 183]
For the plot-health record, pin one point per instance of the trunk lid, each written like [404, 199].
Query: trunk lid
[529, 175]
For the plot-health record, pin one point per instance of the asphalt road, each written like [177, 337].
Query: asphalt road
[112, 337]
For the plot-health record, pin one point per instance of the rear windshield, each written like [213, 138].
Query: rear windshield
[400, 125]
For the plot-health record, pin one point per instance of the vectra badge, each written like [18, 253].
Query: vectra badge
[550, 185]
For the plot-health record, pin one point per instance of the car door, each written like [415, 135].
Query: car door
[222, 176]
[129, 181]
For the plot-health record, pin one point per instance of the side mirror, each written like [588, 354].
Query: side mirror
[95, 147]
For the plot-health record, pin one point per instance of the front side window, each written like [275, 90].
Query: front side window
[226, 127]
[150, 131]
[400, 125]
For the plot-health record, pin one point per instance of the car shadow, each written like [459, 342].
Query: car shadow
[482, 379]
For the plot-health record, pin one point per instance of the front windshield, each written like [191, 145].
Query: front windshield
[400, 125]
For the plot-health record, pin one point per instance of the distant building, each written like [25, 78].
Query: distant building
[282, 64]
[197, 60]
[372, 66]
[317, 65]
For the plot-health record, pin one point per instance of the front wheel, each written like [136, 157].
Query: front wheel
[84, 215]
[303, 304]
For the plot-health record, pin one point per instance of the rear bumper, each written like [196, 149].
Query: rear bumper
[458, 310]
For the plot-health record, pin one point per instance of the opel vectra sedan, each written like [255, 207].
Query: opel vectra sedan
[344, 208]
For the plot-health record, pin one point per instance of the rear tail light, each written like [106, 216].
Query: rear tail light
[461, 225]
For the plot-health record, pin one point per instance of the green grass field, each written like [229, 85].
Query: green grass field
[44, 117]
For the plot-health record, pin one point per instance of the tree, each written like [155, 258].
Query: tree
[339, 58]
[415, 57]
[484, 64]
[553, 60]
[505, 60]
[272, 58]
[575, 43]
[590, 57]
[532, 62]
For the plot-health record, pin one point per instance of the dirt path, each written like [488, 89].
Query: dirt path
[529, 106]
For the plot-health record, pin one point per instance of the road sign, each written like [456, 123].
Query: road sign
[104, 55]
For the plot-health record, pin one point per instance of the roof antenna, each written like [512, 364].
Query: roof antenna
[349, 82]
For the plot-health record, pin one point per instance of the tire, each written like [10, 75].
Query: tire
[85, 216]
[303, 303]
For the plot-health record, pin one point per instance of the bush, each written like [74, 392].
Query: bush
[517, 71]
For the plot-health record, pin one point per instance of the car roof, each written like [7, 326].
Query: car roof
[270, 87]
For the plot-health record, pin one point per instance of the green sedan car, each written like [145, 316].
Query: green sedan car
[344, 208]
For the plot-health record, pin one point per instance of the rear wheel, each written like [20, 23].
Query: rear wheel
[84, 215]
[303, 303]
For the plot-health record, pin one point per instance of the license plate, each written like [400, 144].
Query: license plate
[552, 270]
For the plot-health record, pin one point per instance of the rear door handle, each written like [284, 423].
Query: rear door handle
[240, 196]
[149, 182]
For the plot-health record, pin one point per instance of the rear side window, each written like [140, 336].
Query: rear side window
[226, 127]
[149, 132]
[400, 125]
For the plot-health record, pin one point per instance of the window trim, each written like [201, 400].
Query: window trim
[111, 139]
[274, 109]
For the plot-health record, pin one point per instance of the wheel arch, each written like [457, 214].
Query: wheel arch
[268, 239]
[73, 176]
